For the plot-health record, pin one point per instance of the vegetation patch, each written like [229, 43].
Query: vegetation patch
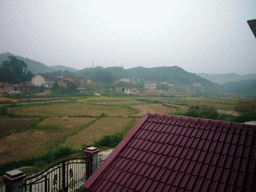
[202, 111]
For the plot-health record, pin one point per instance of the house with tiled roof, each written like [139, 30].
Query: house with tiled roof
[175, 153]
[64, 81]
[25, 86]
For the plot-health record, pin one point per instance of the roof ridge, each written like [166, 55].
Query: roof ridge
[202, 120]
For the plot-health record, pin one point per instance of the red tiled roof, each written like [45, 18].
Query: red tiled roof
[169, 153]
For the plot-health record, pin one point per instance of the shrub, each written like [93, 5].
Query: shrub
[203, 111]
[109, 140]
[246, 116]
[59, 151]
[3, 111]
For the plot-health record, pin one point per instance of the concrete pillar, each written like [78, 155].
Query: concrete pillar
[14, 180]
[91, 166]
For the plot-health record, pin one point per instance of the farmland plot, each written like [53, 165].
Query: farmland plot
[104, 126]
[77, 109]
[154, 108]
[38, 140]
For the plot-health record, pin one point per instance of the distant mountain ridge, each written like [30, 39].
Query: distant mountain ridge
[247, 87]
[225, 78]
[63, 68]
[34, 66]
[173, 75]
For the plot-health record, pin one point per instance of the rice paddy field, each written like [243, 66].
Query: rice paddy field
[47, 122]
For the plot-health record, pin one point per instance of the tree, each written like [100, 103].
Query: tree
[29, 75]
[105, 77]
[14, 71]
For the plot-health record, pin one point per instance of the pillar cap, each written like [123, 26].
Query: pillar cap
[91, 150]
[14, 175]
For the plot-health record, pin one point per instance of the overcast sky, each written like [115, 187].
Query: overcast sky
[209, 36]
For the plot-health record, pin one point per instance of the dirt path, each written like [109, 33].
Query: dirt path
[234, 113]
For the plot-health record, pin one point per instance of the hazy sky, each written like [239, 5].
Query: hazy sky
[198, 35]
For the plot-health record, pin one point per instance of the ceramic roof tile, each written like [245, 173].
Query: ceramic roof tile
[203, 170]
[222, 160]
[244, 165]
[158, 186]
[215, 159]
[144, 168]
[190, 154]
[172, 177]
[198, 184]
[248, 140]
[206, 184]
[246, 152]
[167, 162]
[172, 153]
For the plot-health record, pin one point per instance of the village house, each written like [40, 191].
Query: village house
[197, 85]
[126, 80]
[175, 153]
[126, 90]
[64, 81]
[90, 81]
[83, 91]
[26, 86]
[6, 87]
[43, 79]
[167, 87]
[150, 86]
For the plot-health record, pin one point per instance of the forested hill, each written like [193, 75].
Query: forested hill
[247, 87]
[34, 66]
[173, 75]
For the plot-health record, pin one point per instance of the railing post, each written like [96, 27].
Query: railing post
[63, 176]
[14, 180]
[91, 166]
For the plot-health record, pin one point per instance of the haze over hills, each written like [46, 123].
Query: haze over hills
[225, 78]
[173, 75]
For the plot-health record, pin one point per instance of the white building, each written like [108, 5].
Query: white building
[42, 79]
[127, 80]
[150, 86]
